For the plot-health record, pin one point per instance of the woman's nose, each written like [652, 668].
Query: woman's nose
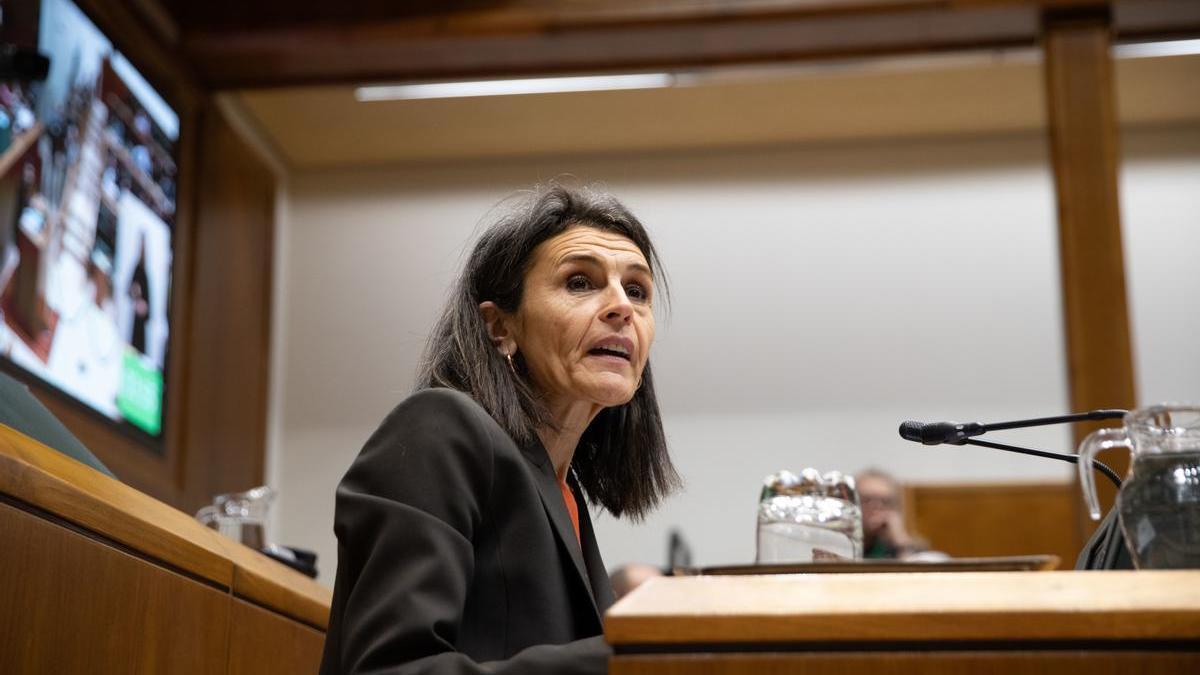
[618, 307]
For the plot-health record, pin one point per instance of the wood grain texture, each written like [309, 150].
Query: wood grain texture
[910, 607]
[263, 642]
[531, 15]
[509, 15]
[270, 584]
[75, 605]
[50, 481]
[997, 520]
[284, 44]
[34, 474]
[897, 663]
[1084, 148]
[405, 51]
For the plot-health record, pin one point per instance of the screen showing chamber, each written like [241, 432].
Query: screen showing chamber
[87, 211]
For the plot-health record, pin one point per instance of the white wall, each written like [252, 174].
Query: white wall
[1160, 209]
[821, 294]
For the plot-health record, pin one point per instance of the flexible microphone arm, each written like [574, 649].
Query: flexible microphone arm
[1059, 419]
[1066, 457]
[955, 433]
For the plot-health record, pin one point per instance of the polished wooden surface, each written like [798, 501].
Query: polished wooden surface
[258, 578]
[43, 479]
[1091, 662]
[923, 608]
[236, 45]
[1084, 148]
[262, 642]
[1089, 623]
[1029, 563]
[72, 604]
[55, 483]
[968, 521]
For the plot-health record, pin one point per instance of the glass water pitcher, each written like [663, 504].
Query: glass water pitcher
[809, 518]
[241, 516]
[1159, 501]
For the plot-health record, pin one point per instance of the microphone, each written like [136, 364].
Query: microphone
[937, 433]
[954, 433]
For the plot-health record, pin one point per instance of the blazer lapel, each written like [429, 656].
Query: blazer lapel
[552, 500]
[601, 588]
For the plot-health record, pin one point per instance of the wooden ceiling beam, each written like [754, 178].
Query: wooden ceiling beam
[528, 37]
[405, 52]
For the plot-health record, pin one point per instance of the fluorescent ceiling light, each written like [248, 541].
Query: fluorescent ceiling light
[1141, 50]
[539, 85]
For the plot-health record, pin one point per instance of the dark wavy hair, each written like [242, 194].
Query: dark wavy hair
[622, 461]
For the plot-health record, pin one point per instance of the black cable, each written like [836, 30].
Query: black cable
[1074, 459]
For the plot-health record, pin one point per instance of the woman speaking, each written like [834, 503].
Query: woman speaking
[464, 543]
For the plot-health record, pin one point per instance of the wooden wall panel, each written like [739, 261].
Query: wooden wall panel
[989, 520]
[229, 339]
[263, 642]
[82, 606]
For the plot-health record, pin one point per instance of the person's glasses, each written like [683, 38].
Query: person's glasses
[879, 501]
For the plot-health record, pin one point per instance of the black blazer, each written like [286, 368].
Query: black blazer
[455, 549]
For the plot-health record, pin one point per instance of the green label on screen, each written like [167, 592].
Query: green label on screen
[139, 397]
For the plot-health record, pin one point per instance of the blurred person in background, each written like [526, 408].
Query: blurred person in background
[884, 533]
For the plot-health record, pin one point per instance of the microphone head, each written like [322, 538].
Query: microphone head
[936, 433]
[911, 431]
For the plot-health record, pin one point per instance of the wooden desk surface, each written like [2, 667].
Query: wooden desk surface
[34, 475]
[1045, 606]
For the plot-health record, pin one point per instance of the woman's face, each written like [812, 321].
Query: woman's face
[585, 324]
[880, 503]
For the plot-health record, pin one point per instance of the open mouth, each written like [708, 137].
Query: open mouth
[610, 350]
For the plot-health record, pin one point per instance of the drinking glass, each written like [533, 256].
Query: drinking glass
[241, 516]
[809, 518]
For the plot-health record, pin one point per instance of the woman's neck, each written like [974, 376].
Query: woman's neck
[571, 420]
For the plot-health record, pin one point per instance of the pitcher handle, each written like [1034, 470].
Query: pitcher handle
[1096, 441]
[207, 515]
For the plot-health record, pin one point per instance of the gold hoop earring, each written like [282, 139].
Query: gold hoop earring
[511, 367]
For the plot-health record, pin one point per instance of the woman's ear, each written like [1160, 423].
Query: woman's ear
[498, 329]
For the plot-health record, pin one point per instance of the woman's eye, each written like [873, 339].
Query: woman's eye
[637, 292]
[579, 282]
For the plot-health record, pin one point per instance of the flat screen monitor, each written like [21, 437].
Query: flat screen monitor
[88, 178]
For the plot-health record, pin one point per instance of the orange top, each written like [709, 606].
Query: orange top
[572, 507]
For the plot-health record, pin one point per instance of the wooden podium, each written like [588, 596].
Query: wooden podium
[96, 577]
[963, 623]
